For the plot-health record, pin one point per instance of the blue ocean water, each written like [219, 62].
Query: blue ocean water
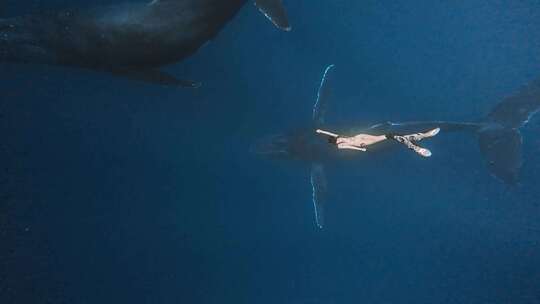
[114, 191]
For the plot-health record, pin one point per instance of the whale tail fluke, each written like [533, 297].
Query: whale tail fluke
[275, 12]
[501, 150]
[516, 110]
[500, 140]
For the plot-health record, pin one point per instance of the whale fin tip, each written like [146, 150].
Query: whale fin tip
[275, 12]
[154, 76]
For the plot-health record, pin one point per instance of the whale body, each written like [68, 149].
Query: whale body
[498, 134]
[129, 39]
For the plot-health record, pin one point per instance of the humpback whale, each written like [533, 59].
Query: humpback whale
[498, 135]
[131, 40]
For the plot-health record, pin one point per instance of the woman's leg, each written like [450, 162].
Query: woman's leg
[404, 140]
[420, 136]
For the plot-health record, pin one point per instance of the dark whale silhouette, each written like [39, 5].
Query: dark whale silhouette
[131, 39]
[498, 137]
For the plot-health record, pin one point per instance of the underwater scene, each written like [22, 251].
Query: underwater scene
[269, 151]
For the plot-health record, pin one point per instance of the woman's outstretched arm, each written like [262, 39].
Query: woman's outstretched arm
[327, 133]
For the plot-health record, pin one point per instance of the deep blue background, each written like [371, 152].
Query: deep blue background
[120, 192]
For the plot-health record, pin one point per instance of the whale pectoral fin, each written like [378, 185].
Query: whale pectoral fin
[320, 188]
[275, 12]
[323, 97]
[154, 76]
